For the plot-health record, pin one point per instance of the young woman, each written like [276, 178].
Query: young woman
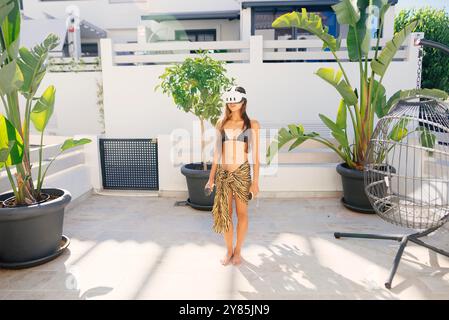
[230, 171]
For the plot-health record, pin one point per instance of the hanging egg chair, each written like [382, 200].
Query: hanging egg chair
[406, 173]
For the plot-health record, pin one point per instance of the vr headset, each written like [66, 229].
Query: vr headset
[233, 96]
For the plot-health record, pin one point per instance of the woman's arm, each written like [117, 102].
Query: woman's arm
[217, 155]
[255, 140]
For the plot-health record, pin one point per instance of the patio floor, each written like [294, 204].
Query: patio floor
[140, 247]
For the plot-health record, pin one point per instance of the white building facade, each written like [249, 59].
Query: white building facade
[131, 21]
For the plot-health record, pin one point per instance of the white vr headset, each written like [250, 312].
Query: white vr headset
[233, 96]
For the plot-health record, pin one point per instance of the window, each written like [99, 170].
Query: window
[89, 49]
[264, 17]
[196, 35]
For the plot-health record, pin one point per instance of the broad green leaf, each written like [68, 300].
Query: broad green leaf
[380, 65]
[334, 78]
[13, 49]
[11, 140]
[284, 136]
[329, 123]
[341, 138]
[11, 22]
[43, 109]
[365, 27]
[10, 78]
[380, 102]
[427, 139]
[71, 143]
[6, 7]
[347, 12]
[31, 63]
[404, 94]
[341, 115]
[399, 130]
[310, 22]
[298, 142]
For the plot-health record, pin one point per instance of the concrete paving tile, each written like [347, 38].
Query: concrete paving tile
[126, 247]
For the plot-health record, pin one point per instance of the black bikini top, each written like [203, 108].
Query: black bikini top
[243, 136]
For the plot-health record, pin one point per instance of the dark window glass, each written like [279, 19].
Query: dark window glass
[264, 17]
[89, 49]
[196, 35]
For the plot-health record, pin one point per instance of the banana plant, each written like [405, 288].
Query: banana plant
[364, 103]
[21, 72]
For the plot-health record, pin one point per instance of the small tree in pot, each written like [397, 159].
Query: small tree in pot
[362, 105]
[196, 86]
[31, 217]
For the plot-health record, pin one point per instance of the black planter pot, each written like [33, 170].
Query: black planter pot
[196, 181]
[354, 196]
[32, 235]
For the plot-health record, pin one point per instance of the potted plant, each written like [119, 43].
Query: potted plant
[31, 217]
[196, 86]
[363, 104]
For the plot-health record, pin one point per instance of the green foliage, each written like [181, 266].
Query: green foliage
[21, 72]
[11, 144]
[435, 25]
[196, 86]
[364, 103]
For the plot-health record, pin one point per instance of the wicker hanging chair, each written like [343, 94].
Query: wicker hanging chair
[406, 171]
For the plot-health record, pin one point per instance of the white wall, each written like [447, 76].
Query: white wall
[118, 18]
[278, 94]
[76, 110]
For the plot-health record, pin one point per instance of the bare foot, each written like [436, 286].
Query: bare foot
[226, 259]
[236, 259]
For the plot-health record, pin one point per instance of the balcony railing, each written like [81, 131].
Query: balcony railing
[244, 51]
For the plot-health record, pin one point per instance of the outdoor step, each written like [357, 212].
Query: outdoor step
[308, 156]
[304, 177]
[64, 161]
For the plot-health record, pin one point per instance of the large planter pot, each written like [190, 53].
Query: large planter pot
[196, 181]
[32, 235]
[354, 196]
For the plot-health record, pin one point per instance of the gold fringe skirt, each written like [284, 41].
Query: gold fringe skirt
[238, 182]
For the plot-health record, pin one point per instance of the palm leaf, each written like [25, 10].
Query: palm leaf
[43, 109]
[334, 78]
[347, 12]
[31, 63]
[10, 140]
[11, 78]
[294, 133]
[72, 143]
[10, 23]
[310, 22]
[380, 65]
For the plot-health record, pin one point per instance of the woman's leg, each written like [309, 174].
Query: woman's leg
[229, 236]
[242, 228]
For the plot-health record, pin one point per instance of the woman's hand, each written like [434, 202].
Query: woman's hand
[254, 188]
[211, 182]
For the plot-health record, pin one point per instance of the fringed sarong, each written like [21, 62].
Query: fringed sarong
[238, 181]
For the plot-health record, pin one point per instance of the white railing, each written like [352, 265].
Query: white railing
[169, 52]
[245, 51]
[85, 64]
[312, 50]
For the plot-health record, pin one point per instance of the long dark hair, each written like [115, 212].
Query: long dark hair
[243, 114]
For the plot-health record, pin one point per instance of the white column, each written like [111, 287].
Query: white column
[256, 49]
[142, 34]
[92, 160]
[245, 24]
[107, 63]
